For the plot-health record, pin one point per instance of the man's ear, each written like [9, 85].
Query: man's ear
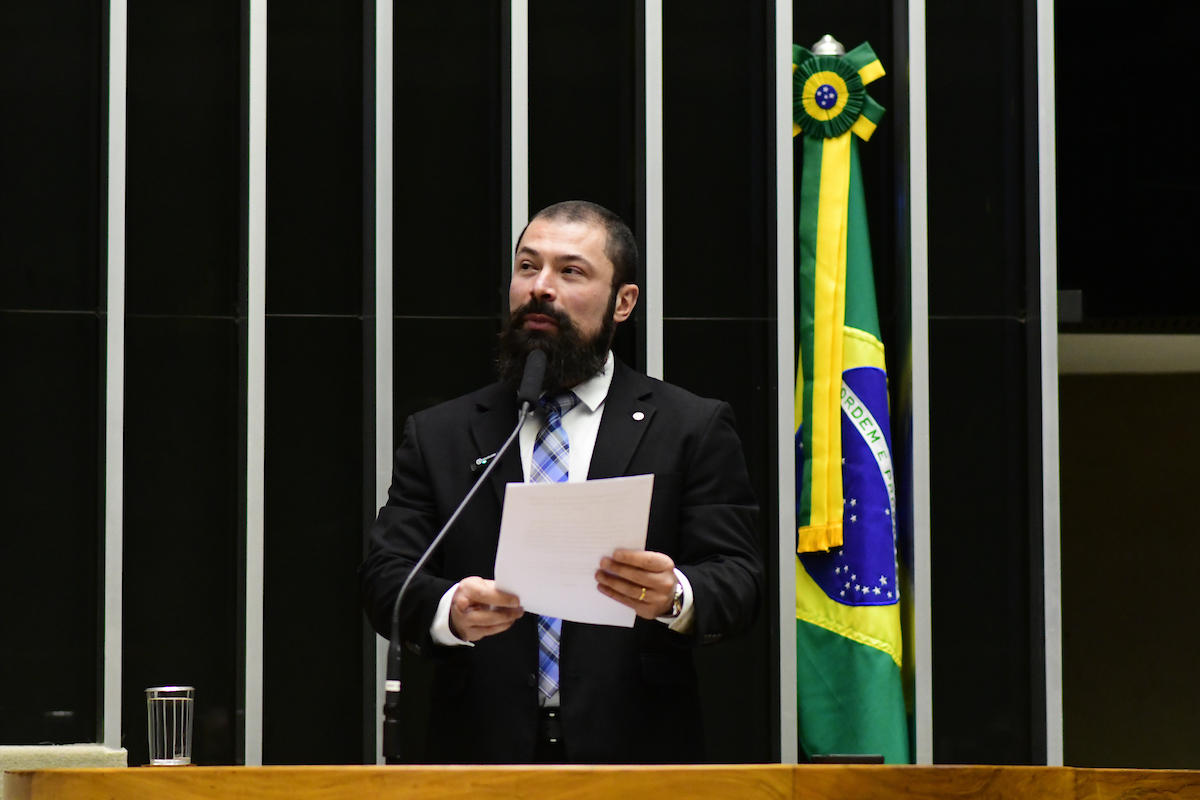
[627, 297]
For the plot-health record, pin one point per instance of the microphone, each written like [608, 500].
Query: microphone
[531, 380]
[527, 397]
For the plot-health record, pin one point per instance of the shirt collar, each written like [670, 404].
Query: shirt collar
[594, 390]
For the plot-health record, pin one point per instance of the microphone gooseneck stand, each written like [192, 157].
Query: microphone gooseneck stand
[527, 396]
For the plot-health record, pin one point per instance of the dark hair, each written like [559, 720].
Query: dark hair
[619, 245]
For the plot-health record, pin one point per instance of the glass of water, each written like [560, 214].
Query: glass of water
[169, 714]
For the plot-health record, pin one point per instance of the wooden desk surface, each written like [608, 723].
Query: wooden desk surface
[750, 782]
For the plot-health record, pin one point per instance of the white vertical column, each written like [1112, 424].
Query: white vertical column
[114, 389]
[256, 376]
[785, 218]
[1048, 256]
[519, 114]
[653, 258]
[384, 432]
[918, 235]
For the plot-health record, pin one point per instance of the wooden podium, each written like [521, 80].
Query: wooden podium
[760, 782]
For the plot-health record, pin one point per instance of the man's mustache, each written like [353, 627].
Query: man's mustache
[544, 309]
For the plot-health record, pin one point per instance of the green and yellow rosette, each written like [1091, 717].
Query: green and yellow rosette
[830, 108]
[829, 95]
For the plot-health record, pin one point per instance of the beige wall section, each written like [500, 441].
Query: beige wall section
[1105, 353]
[1130, 557]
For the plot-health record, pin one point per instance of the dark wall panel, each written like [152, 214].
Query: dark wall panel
[51, 334]
[451, 190]
[976, 186]
[186, 179]
[982, 658]
[584, 96]
[312, 520]
[185, 396]
[50, 527]
[50, 154]
[1126, 216]
[183, 526]
[314, 467]
[984, 385]
[315, 164]
[717, 188]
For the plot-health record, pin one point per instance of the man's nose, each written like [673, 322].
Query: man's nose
[544, 285]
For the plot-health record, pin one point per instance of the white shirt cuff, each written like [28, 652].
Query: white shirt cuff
[440, 629]
[682, 623]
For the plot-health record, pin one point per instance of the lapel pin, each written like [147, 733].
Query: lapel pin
[639, 416]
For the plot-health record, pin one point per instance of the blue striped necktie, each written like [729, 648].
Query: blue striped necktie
[551, 464]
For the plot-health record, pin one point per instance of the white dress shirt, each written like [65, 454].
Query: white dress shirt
[581, 424]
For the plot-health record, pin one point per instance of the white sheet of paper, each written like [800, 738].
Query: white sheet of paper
[553, 535]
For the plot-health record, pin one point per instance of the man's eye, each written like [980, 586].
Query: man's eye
[525, 265]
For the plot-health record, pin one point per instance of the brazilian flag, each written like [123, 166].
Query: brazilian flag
[850, 697]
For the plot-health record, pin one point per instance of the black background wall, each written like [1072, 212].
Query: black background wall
[51, 363]
[185, 358]
[315, 450]
[1126, 213]
[985, 393]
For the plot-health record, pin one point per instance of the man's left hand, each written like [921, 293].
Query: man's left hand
[641, 579]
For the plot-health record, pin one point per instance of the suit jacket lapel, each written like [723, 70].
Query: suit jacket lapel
[494, 419]
[621, 429]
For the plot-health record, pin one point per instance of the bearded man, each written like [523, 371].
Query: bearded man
[511, 687]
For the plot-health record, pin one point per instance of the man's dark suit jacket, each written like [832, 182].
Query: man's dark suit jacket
[628, 695]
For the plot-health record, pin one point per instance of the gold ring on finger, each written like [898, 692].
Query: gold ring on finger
[642, 596]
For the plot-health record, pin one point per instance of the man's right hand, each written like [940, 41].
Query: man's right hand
[479, 609]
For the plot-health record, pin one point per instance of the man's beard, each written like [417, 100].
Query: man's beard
[570, 359]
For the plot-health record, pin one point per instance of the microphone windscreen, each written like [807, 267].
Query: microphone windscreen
[531, 379]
